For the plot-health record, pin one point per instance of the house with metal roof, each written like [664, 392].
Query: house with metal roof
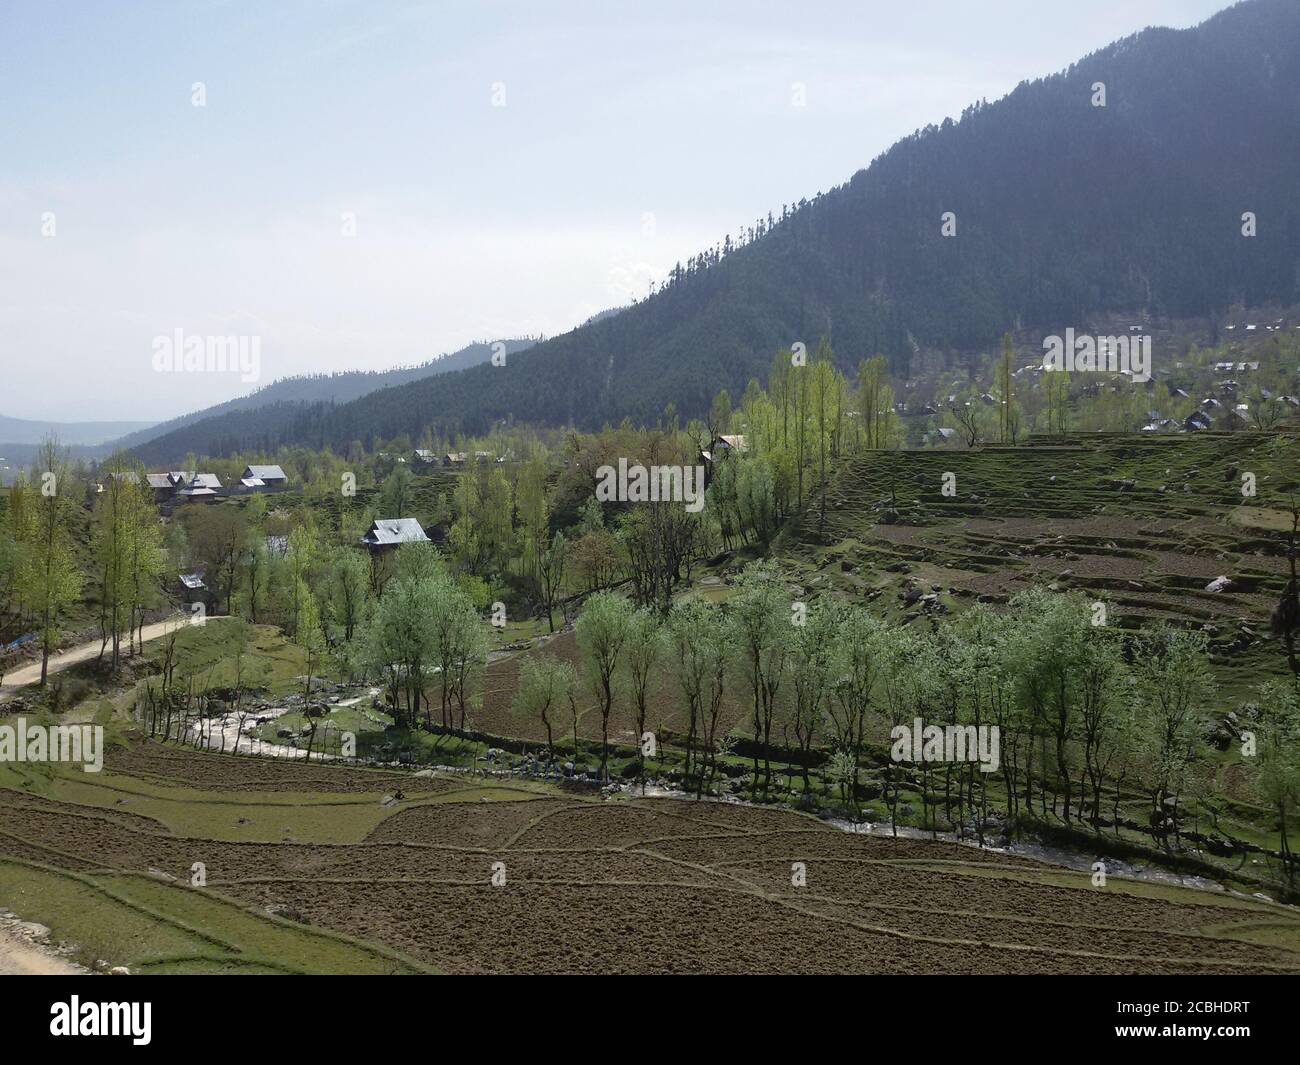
[262, 479]
[199, 487]
[389, 532]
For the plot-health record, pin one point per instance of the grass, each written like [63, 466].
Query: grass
[153, 926]
[271, 659]
[252, 817]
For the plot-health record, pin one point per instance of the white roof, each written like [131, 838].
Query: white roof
[265, 473]
[394, 531]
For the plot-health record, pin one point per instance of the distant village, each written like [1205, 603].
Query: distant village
[184, 486]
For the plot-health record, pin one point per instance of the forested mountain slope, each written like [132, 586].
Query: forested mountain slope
[259, 415]
[1063, 210]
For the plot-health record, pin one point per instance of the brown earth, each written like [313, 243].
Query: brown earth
[655, 885]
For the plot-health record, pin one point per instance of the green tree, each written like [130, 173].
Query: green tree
[545, 685]
[645, 645]
[51, 578]
[602, 631]
[760, 630]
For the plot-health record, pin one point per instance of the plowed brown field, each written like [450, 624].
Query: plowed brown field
[637, 886]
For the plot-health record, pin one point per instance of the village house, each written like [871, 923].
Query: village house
[387, 533]
[262, 479]
[160, 484]
[193, 589]
[195, 487]
[721, 446]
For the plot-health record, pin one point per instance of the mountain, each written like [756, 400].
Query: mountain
[25, 431]
[218, 429]
[1064, 210]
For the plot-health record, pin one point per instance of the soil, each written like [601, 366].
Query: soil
[656, 885]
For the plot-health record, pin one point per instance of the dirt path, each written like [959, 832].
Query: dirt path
[21, 957]
[31, 674]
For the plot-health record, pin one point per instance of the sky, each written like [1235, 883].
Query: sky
[371, 184]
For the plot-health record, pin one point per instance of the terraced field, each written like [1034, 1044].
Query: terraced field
[375, 882]
[1144, 524]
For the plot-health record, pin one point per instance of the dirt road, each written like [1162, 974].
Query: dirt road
[30, 674]
[20, 957]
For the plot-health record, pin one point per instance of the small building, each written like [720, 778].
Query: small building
[722, 446]
[161, 485]
[200, 487]
[425, 457]
[386, 533]
[193, 589]
[263, 479]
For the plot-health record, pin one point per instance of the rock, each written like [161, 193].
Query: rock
[119, 970]
[32, 930]
[1219, 584]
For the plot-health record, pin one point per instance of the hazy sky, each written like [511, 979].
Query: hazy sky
[631, 135]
